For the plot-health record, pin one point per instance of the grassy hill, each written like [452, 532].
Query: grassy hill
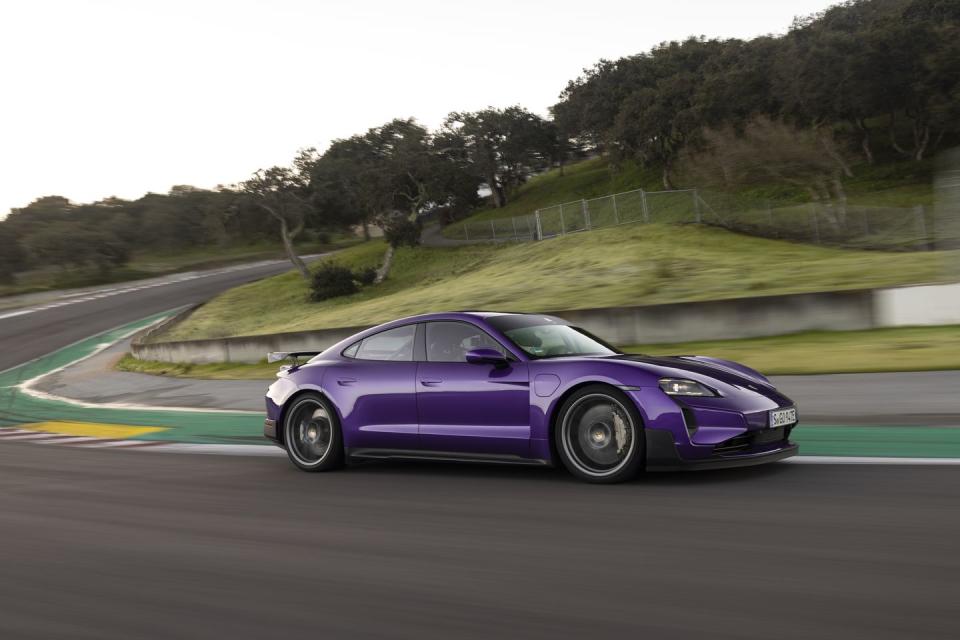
[894, 184]
[628, 265]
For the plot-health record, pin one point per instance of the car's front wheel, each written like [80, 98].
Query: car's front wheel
[599, 435]
[311, 434]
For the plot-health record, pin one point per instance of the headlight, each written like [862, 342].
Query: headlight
[676, 387]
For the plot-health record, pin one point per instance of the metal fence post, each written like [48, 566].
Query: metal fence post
[643, 205]
[616, 216]
[563, 228]
[514, 221]
[466, 233]
[536, 217]
[493, 230]
[696, 206]
[586, 213]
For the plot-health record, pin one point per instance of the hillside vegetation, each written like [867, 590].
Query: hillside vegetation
[890, 184]
[629, 265]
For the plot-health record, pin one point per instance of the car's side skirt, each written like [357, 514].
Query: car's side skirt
[363, 454]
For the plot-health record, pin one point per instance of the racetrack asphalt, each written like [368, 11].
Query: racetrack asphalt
[34, 331]
[109, 544]
[912, 398]
[131, 544]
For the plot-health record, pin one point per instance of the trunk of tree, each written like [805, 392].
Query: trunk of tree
[366, 230]
[936, 143]
[835, 156]
[288, 237]
[829, 213]
[840, 197]
[499, 197]
[865, 141]
[384, 269]
[667, 182]
[921, 139]
[893, 136]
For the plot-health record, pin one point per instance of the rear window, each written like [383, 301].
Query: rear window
[391, 345]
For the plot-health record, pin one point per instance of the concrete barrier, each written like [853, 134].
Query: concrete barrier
[238, 349]
[930, 305]
[680, 322]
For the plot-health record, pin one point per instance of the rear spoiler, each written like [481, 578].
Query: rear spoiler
[293, 356]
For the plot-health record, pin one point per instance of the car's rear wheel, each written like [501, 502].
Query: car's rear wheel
[311, 434]
[599, 435]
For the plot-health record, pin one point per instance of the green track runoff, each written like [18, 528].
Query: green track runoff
[19, 409]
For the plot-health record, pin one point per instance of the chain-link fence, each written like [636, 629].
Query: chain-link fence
[833, 224]
[582, 215]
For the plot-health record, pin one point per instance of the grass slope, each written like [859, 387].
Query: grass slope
[629, 265]
[876, 350]
[901, 349]
[892, 184]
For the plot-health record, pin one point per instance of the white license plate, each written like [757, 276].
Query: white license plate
[783, 417]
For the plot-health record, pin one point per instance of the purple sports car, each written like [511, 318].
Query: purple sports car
[521, 389]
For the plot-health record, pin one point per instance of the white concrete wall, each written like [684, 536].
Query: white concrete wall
[909, 306]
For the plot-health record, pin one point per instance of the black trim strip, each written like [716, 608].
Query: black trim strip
[442, 456]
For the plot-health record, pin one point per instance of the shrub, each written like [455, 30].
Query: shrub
[401, 231]
[366, 276]
[332, 280]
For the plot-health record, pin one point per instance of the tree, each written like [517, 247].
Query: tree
[644, 107]
[282, 193]
[504, 146]
[11, 255]
[770, 151]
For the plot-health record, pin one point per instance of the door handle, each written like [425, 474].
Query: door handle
[430, 382]
[345, 381]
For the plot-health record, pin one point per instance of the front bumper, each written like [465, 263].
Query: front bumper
[662, 454]
[270, 430]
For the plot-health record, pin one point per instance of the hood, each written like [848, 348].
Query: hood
[725, 370]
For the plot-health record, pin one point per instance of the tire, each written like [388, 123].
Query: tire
[598, 435]
[312, 435]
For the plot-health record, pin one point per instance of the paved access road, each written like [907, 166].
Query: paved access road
[33, 331]
[111, 544]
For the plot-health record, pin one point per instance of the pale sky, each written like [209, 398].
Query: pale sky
[114, 97]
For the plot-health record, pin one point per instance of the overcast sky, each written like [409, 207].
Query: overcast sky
[121, 97]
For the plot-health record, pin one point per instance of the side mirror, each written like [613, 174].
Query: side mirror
[484, 355]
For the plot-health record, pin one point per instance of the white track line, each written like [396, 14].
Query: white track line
[96, 294]
[26, 386]
[219, 449]
[872, 460]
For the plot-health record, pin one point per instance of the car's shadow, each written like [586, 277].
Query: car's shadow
[520, 473]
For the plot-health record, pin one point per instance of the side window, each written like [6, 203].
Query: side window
[393, 344]
[450, 341]
[351, 351]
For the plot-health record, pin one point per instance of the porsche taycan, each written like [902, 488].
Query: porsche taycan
[521, 389]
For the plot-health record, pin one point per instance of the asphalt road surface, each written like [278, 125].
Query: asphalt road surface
[117, 544]
[33, 334]
[109, 544]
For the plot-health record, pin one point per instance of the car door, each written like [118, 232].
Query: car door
[470, 408]
[375, 389]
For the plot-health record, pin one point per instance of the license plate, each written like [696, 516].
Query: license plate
[783, 417]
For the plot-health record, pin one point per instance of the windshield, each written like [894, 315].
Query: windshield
[543, 337]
